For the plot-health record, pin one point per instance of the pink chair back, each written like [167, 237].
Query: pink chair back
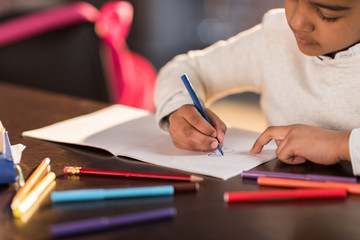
[131, 76]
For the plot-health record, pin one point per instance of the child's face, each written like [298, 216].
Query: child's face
[324, 26]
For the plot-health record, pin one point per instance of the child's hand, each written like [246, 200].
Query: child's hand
[298, 143]
[190, 131]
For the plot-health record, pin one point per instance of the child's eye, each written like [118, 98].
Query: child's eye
[326, 19]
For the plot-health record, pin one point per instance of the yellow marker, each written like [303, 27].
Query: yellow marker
[37, 175]
[34, 195]
[27, 215]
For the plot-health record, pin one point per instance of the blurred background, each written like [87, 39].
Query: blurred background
[160, 30]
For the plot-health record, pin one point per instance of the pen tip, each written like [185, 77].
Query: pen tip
[226, 197]
[17, 213]
[196, 178]
[47, 160]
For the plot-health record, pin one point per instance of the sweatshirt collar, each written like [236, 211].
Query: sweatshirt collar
[350, 52]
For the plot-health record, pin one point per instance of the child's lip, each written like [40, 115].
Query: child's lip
[303, 41]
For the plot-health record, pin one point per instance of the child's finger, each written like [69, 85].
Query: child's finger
[276, 133]
[195, 119]
[218, 124]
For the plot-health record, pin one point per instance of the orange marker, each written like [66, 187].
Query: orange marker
[34, 178]
[353, 188]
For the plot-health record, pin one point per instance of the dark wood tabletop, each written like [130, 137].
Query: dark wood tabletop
[200, 215]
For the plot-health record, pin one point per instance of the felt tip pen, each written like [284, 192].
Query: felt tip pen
[179, 187]
[102, 223]
[197, 104]
[314, 177]
[353, 188]
[296, 194]
[29, 201]
[102, 194]
[94, 171]
[35, 177]
[24, 217]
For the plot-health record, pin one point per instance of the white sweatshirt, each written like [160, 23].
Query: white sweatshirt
[294, 88]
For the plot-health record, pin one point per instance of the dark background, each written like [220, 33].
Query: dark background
[68, 60]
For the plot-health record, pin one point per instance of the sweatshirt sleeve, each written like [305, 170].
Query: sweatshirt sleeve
[221, 69]
[354, 145]
[226, 67]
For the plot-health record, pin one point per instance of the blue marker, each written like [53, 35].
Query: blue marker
[197, 104]
[102, 194]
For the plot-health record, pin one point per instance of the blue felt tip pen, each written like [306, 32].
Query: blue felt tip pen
[101, 194]
[197, 104]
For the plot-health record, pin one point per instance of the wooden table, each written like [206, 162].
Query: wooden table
[201, 215]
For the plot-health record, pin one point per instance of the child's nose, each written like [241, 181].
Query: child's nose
[301, 19]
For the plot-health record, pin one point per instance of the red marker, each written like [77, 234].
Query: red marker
[80, 170]
[294, 194]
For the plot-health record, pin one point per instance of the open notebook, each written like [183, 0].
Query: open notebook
[131, 132]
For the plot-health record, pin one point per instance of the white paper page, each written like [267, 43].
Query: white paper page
[77, 130]
[111, 129]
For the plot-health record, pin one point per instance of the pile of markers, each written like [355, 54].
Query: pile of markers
[41, 182]
[304, 186]
[101, 223]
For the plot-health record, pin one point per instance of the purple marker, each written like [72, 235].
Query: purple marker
[313, 177]
[102, 223]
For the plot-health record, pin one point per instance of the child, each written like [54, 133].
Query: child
[303, 60]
